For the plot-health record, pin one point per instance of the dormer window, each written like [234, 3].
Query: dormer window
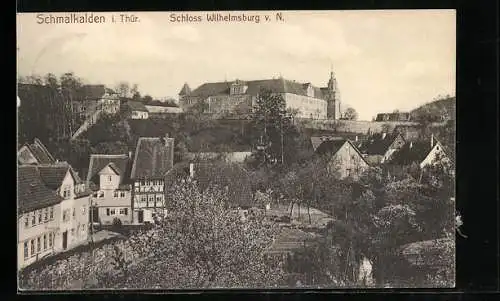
[238, 87]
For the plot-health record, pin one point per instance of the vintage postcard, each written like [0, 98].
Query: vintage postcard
[241, 149]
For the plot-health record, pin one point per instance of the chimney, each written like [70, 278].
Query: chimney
[356, 138]
[432, 140]
[383, 135]
[191, 170]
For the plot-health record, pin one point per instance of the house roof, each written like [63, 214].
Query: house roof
[330, 146]
[137, 106]
[290, 240]
[53, 175]
[317, 140]
[275, 85]
[99, 161]
[221, 174]
[415, 151]
[333, 146]
[377, 144]
[40, 152]
[426, 253]
[185, 90]
[411, 152]
[32, 192]
[154, 156]
[324, 145]
[92, 92]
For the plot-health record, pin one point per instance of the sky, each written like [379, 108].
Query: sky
[383, 60]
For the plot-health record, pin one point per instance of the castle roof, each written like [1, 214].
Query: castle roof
[279, 85]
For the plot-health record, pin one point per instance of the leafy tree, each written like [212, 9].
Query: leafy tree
[123, 89]
[205, 245]
[147, 99]
[350, 114]
[274, 128]
[51, 81]
[31, 79]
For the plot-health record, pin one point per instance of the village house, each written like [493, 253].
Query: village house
[39, 216]
[237, 98]
[379, 147]
[162, 107]
[34, 153]
[343, 158]
[74, 218]
[137, 110]
[395, 116]
[96, 97]
[230, 157]
[111, 198]
[154, 156]
[91, 103]
[423, 153]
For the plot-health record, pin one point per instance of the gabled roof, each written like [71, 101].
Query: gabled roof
[185, 90]
[154, 156]
[92, 92]
[279, 85]
[39, 151]
[221, 174]
[330, 146]
[333, 146]
[317, 140]
[100, 161]
[113, 167]
[32, 192]
[53, 175]
[378, 144]
[412, 152]
[137, 106]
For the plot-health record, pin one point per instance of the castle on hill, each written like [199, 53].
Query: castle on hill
[237, 98]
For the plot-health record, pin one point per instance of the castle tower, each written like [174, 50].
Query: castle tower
[185, 91]
[184, 96]
[333, 98]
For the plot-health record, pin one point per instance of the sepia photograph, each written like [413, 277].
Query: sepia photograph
[236, 150]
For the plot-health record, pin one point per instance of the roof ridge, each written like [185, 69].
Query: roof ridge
[109, 155]
[136, 154]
